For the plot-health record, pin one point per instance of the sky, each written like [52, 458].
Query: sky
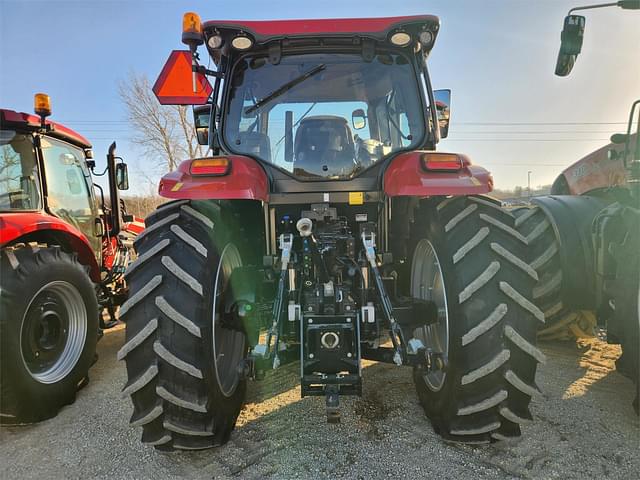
[509, 112]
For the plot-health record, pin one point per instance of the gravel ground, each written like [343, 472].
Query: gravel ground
[585, 428]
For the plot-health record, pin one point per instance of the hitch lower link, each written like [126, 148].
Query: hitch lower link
[412, 352]
[264, 351]
[395, 332]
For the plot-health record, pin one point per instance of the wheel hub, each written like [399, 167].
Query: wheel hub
[427, 283]
[54, 329]
[228, 344]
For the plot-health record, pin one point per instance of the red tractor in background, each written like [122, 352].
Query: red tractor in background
[586, 234]
[300, 240]
[63, 254]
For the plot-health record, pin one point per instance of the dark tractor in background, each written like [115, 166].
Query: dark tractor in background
[586, 235]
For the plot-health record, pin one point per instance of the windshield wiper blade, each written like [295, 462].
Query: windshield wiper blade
[285, 88]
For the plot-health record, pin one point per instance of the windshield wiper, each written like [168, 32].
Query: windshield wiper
[285, 88]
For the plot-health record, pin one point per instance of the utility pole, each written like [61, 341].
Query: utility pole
[529, 184]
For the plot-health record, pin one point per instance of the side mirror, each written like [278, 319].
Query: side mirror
[619, 138]
[201, 117]
[443, 110]
[122, 176]
[99, 228]
[570, 44]
[358, 119]
[288, 136]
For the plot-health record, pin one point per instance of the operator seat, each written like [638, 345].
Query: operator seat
[255, 143]
[324, 147]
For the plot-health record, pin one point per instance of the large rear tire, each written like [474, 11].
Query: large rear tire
[625, 293]
[468, 249]
[544, 255]
[48, 331]
[182, 366]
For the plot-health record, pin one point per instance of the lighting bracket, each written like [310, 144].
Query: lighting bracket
[275, 53]
[368, 49]
[205, 71]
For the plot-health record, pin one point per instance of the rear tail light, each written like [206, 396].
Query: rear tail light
[212, 167]
[442, 162]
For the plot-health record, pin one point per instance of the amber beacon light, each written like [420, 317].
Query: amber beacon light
[192, 29]
[42, 104]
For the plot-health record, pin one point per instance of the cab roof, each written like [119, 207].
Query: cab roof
[11, 119]
[379, 29]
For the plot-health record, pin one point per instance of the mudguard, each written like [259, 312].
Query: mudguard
[405, 176]
[133, 227]
[246, 180]
[14, 226]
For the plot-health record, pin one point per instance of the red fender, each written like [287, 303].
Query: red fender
[406, 176]
[13, 226]
[110, 245]
[596, 171]
[134, 227]
[246, 180]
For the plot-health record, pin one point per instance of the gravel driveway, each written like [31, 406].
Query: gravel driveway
[585, 427]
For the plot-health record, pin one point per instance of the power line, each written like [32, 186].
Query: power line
[538, 132]
[488, 132]
[539, 123]
[480, 164]
[99, 122]
[532, 140]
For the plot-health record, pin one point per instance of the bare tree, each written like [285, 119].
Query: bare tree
[164, 132]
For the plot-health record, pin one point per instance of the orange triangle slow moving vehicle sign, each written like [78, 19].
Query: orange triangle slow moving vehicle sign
[175, 83]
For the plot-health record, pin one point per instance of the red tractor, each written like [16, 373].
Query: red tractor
[586, 235]
[324, 229]
[62, 259]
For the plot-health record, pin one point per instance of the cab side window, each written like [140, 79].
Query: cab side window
[68, 194]
[19, 182]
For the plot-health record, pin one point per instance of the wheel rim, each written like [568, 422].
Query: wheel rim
[228, 345]
[427, 283]
[53, 333]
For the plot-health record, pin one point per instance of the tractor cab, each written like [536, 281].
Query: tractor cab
[311, 100]
[45, 168]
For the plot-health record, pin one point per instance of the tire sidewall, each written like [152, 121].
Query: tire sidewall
[438, 403]
[226, 403]
[226, 408]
